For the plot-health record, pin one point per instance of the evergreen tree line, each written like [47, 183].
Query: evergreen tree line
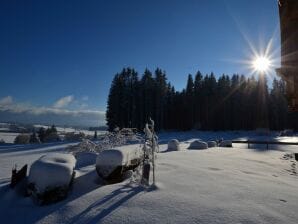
[48, 135]
[206, 103]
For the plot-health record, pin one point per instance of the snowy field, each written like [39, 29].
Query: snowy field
[217, 185]
[68, 130]
[8, 137]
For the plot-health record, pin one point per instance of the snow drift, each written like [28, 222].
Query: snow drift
[197, 144]
[174, 145]
[111, 164]
[238, 185]
[212, 144]
[226, 143]
[50, 176]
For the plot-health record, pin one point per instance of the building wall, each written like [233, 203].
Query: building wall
[288, 12]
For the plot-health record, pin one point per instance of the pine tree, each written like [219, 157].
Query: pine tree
[147, 96]
[42, 134]
[113, 105]
[160, 91]
[262, 103]
[53, 129]
[95, 135]
[206, 103]
[189, 103]
[33, 138]
[198, 83]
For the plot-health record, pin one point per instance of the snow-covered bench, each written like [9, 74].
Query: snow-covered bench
[111, 164]
[226, 143]
[197, 144]
[174, 145]
[51, 176]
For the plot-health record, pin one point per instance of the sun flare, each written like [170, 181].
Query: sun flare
[261, 64]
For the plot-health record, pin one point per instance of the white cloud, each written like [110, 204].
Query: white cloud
[6, 100]
[83, 105]
[63, 102]
[26, 113]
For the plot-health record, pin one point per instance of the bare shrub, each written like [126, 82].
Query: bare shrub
[22, 139]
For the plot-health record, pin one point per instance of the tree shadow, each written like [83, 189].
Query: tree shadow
[264, 148]
[85, 159]
[82, 185]
[108, 204]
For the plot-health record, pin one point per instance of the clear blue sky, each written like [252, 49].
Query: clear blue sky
[54, 49]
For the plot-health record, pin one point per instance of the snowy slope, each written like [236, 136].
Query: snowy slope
[217, 185]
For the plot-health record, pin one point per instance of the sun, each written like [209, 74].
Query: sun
[261, 64]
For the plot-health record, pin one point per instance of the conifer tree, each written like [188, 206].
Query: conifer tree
[207, 103]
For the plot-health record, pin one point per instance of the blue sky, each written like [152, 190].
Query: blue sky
[68, 51]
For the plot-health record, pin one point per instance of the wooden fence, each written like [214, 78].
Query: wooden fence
[267, 143]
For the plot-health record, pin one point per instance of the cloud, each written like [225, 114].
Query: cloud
[63, 102]
[26, 113]
[85, 98]
[6, 100]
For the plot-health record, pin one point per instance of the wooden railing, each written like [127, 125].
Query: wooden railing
[267, 143]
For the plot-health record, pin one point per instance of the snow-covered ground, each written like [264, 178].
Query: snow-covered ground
[217, 185]
[8, 137]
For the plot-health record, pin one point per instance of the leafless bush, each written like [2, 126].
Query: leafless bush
[22, 139]
[108, 141]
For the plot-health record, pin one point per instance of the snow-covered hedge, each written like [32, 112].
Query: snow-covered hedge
[50, 176]
[174, 145]
[226, 143]
[212, 144]
[197, 144]
[111, 164]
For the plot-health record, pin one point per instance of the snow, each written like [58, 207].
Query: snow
[234, 185]
[84, 146]
[226, 143]
[85, 158]
[197, 144]
[108, 160]
[70, 130]
[51, 170]
[8, 137]
[173, 145]
[212, 144]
